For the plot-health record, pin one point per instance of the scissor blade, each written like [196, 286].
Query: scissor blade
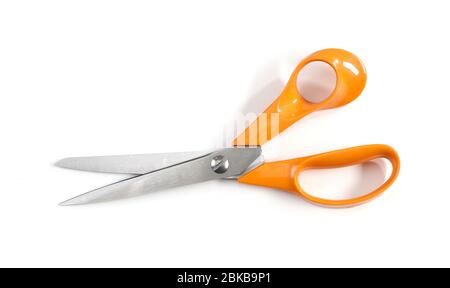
[128, 164]
[204, 168]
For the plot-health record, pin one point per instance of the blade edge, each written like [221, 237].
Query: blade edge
[192, 171]
[128, 164]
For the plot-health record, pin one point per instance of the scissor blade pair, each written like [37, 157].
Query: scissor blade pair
[128, 164]
[223, 163]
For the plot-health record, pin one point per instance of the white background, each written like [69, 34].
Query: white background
[113, 77]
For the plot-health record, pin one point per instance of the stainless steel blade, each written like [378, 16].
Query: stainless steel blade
[223, 163]
[128, 164]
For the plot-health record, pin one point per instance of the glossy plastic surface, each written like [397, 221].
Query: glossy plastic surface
[284, 174]
[290, 106]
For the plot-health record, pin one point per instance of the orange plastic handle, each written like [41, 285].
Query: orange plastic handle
[284, 174]
[290, 106]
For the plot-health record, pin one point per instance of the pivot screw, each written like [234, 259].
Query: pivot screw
[220, 164]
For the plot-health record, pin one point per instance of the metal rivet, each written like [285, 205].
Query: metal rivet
[220, 164]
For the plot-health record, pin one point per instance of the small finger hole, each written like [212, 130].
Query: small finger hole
[316, 81]
[346, 182]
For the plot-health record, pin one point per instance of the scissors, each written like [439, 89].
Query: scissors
[244, 162]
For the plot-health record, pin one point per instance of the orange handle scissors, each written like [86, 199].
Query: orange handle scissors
[165, 170]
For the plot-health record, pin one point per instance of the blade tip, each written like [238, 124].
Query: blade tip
[70, 202]
[60, 163]
[65, 203]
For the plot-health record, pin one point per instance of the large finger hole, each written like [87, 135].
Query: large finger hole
[316, 81]
[345, 183]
